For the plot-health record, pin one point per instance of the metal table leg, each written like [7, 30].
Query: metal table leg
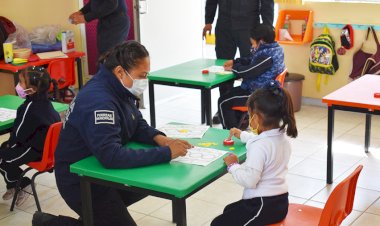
[151, 105]
[367, 136]
[330, 133]
[179, 214]
[87, 215]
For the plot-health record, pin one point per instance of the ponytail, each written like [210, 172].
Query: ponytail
[288, 115]
[56, 95]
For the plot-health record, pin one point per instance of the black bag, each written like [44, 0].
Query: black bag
[6, 28]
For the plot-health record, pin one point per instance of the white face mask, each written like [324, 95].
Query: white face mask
[138, 85]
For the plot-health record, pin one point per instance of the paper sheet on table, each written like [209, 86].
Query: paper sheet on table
[51, 55]
[200, 156]
[6, 114]
[184, 131]
[218, 70]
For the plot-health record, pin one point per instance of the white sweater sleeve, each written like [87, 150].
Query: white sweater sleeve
[245, 136]
[245, 176]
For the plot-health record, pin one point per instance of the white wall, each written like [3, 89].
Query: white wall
[171, 30]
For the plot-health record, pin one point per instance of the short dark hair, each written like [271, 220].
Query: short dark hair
[263, 32]
[127, 54]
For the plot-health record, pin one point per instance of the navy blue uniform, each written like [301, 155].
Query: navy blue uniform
[27, 139]
[262, 66]
[99, 121]
[113, 25]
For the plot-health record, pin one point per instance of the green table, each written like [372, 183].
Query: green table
[13, 102]
[174, 181]
[189, 75]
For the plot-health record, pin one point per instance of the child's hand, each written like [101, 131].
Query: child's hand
[228, 65]
[234, 132]
[230, 159]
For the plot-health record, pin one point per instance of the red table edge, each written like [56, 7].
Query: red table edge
[14, 69]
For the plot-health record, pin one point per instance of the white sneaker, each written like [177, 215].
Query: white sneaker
[9, 194]
[23, 195]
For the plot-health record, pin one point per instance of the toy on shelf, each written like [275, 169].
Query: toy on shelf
[294, 27]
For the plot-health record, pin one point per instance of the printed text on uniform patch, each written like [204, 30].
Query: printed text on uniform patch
[104, 117]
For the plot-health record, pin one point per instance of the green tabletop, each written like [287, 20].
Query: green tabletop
[172, 178]
[13, 102]
[191, 73]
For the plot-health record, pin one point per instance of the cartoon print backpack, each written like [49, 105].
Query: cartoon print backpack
[323, 58]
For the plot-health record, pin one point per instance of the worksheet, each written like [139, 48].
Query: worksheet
[184, 131]
[200, 156]
[6, 114]
[218, 70]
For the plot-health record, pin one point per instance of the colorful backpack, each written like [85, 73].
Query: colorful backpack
[323, 58]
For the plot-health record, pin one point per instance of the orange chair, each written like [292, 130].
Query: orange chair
[244, 109]
[63, 71]
[337, 208]
[45, 165]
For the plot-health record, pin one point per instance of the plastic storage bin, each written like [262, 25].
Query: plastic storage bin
[293, 83]
[296, 15]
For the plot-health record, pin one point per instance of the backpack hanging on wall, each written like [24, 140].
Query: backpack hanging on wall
[364, 62]
[323, 58]
[6, 28]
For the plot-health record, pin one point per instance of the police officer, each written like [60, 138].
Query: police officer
[101, 119]
[113, 25]
[235, 20]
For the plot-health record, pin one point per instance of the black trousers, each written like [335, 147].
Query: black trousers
[109, 206]
[226, 43]
[11, 160]
[234, 97]
[254, 212]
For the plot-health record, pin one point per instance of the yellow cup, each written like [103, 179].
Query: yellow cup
[8, 52]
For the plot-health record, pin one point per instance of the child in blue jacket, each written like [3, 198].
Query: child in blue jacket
[263, 65]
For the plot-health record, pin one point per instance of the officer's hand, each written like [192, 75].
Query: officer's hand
[179, 148]
[208, 28]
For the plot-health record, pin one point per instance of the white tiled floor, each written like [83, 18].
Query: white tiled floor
[307, 168]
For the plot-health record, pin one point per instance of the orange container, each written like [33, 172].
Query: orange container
[296, 15]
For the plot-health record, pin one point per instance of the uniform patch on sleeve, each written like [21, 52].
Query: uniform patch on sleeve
[104, 117]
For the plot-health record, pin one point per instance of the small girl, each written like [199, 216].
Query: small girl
[26, 141]
[263, 175]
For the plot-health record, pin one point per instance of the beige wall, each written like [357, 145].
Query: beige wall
[33, 13]
[296, 57]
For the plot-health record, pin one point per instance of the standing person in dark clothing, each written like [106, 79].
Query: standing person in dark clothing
[27, 139]
[113, 25]
[101, 119]
[235, 20]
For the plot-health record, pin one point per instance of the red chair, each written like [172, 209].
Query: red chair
[337, 208]
[63, 71]
[244, 109]
[45, 165]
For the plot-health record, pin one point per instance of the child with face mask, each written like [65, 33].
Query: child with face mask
[264, 64]
[263, 175]
[27, 138]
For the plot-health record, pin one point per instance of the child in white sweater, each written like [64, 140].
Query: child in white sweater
[263, 175]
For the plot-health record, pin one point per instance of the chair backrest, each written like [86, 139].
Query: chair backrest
[281, 77]
[63, 71]
[341, 200]
[51, 141]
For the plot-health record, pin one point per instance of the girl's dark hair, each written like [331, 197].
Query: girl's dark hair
[37, 77]
[263, 32]
[127, 54]
[274, 104]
